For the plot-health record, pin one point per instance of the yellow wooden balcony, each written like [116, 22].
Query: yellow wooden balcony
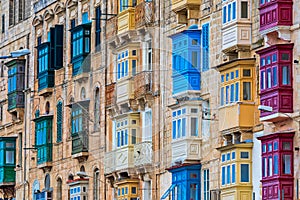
[121, 159]
[239, 115]
[126, 20]
[178, 5]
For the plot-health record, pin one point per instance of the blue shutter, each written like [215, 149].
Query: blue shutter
[231, 93]
[59, 120]
[229, 12]
[228, 174]
[205, 47]
[233, 10]
[224, 14]
[223, 175]
[233, 173]
[174, 129]
[237, 94]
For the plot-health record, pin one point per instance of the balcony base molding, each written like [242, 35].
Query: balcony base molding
[46, 167]
[276, 117]
[83, 77]
[81, 157]
[45, 92]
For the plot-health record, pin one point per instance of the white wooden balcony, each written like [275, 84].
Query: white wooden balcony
[143, 153]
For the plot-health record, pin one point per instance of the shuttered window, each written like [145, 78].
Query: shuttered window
[59, 121]
[205, 47]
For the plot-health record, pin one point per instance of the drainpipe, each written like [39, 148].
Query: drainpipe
[105, 83]
[25, 92]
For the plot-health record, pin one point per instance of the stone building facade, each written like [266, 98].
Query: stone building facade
[134, 99]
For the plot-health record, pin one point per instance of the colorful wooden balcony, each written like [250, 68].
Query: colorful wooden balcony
[126, 20]
[276, 85]
[275, 15]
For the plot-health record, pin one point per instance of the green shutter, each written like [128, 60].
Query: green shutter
[59, 118]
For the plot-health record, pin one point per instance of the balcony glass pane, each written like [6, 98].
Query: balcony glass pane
[286, 75]
[244, 9]
[286, 164]
[194, 126]
[10, 157]
[244, 173]
[246, 91]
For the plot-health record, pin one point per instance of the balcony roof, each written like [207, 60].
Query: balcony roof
[234, 63]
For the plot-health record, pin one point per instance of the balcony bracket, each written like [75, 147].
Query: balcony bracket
[81, 157]
[46, 167]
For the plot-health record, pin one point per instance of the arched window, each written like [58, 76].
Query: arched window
[82, 169]
[97, 110]
[47, 182]
[59, 189]
[47, 107]
[59, 121]
[70, 177]
[96, 184]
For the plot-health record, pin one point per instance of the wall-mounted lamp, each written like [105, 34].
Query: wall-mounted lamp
[296, 61]
[297, 148]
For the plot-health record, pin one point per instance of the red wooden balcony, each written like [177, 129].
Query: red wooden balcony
[275, 13]
[276, 81]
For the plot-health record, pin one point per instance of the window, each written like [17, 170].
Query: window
[11, 5]
[124, 5]
[147, 125]
[80, 40]
[285, 75]
[245, 155]
[195, 59]
[244, 9]
[274, 83]
[265, 167]
[73, 23]
[122, 63]
[59, 121]
[3, 23]
[270, 166]
[77, 120]
[233, 155]
[206, 184]
[246, 91]
[233, 173]
[229, 12]
[224, 14]
[7, 151]
[12, 79]
[85, 18]
[246, 72]
[222, 96]
[43, 139]
[205, 47]
[194, 126]
[232, 93]
[237, 95]
[269, 78]
[286, 145]
[244, 173]
[96, 184]
[133, 190]
[286, 164]
[228, 175]
[275, 160]
[97, 110]
[133, 66]
[59, 189]
[223, 175]
[177, 126]
[98, 29]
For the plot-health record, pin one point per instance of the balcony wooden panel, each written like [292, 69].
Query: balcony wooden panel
[235, 36]
[236, 116]
[143, 153]
[125, 90]
[181, 4]
[126, 20]
[186, 149]
[142, 84]
[121, 159]
[111, 27]
[110, 95]
[144, 14]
